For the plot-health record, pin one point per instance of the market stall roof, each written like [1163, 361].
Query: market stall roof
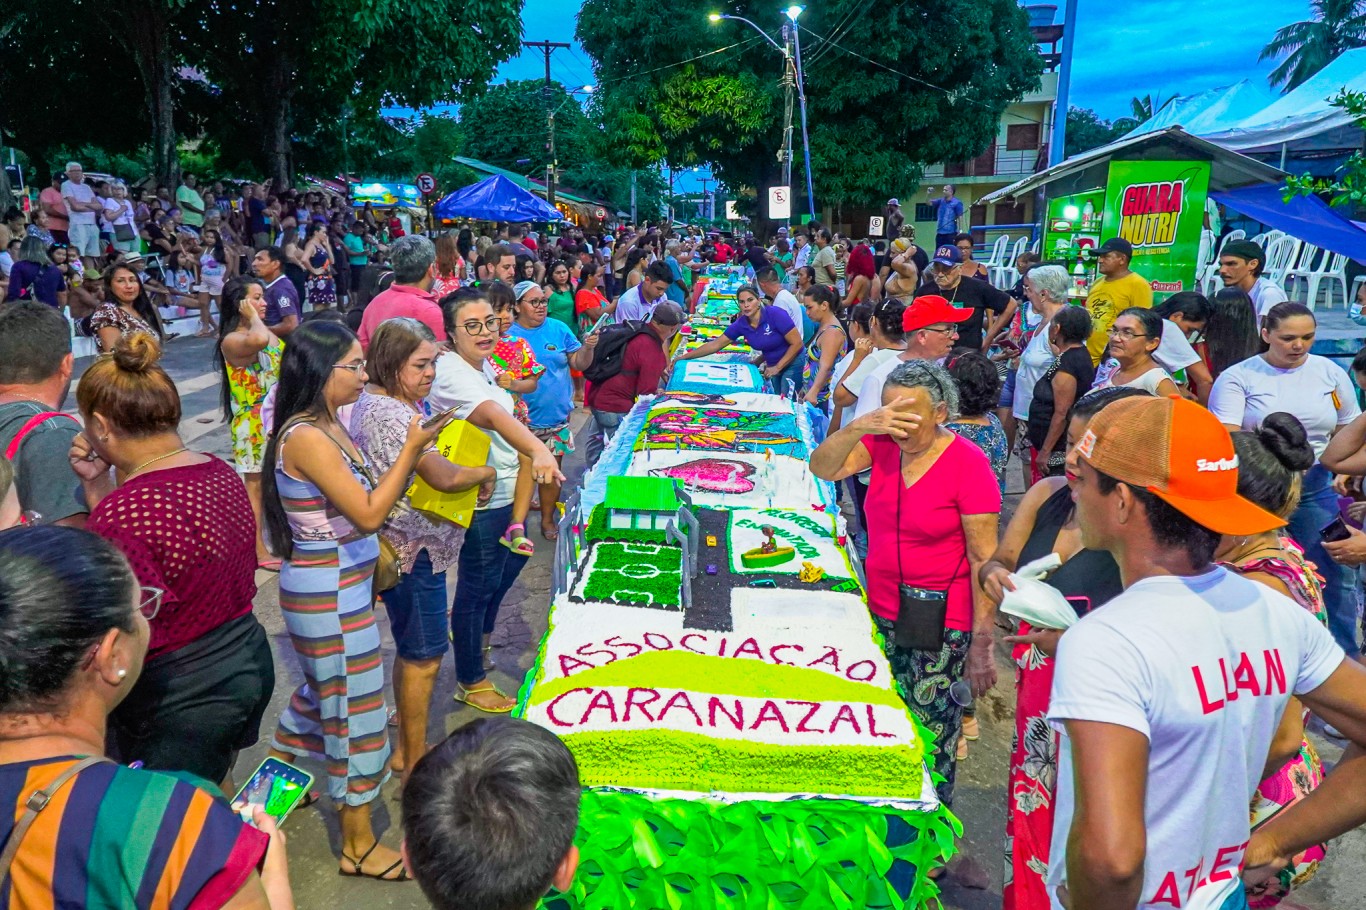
[1307, 218]
[1228, 169]
[495, 199]
[1210, 111]
[533, 186]
[1304, 118]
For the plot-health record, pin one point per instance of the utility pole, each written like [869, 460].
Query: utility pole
[789, 89]
[801, 97]
[548, 48]
[702, 206]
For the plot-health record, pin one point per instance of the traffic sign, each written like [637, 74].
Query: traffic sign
[779, 203]
[426, 184]
[600, 213]
[875, 226]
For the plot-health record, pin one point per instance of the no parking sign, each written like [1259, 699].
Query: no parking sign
[426, 184]
[779, 203]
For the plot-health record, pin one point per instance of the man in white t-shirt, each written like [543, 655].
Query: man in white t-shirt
[931, 327]
[780, 296]
[83, 206]
[1241, 263]
[1169, 696]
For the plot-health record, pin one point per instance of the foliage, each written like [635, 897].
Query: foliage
[1348, 188]
[507, 124]
[1310, 45]
[1087, 130]
[672, 89]
[1144, 108]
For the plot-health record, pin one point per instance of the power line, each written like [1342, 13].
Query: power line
[719, 50]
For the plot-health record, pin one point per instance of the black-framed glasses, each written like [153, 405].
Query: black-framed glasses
[946, 330]
[489, 326]
[534, 301]
[356, 368]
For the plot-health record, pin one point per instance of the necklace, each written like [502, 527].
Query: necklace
[17, 397]
[154, 461]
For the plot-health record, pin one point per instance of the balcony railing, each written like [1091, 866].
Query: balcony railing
[996, 161]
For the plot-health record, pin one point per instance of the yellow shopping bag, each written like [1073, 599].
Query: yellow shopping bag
[462, 443]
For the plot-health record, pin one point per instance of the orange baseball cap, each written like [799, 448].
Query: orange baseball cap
[929, 310]
[1180, 453]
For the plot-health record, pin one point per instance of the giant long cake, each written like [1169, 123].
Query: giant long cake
[711, 664]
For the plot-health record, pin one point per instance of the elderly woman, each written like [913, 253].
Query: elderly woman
[73, 636]
[402, 364]
[1068, 378]
[1046, 290]
[934, 506]
[1134, 338]
[209, 670]
[557, 350]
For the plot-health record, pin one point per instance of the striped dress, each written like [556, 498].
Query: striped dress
[116, 837]
[338, 715]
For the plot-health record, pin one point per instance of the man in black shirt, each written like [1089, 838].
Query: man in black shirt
[973, 294]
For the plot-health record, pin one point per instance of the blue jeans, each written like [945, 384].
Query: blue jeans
[605, 425]
[417, 611]
[484, 574]
[1318, 506]
[793, 373]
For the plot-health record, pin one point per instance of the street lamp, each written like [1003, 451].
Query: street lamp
[793, 65]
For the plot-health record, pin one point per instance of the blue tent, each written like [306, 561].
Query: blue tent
[495, 199]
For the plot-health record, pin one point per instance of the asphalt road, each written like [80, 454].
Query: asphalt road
[313, 833]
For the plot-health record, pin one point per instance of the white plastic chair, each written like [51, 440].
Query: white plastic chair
[1012, 274]
[996, 261]
[1301, 269]
[1279, 258]
[1036, 246]
[1333, 270]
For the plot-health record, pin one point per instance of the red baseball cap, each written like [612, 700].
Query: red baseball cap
[1180, 453]
[930, 309]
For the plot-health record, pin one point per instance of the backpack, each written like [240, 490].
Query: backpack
[610, 352]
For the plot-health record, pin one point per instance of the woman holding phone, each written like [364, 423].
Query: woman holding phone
[323, 508]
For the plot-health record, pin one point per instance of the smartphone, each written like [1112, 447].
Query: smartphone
[1335, 530]
[276, 787]
[438, 417]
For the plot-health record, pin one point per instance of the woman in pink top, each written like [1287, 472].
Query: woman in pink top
[933, 507]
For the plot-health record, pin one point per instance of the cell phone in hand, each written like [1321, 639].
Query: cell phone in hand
[1335, 530]
[276, 787]
[437, 418]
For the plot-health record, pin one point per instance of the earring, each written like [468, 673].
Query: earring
[104, 438]
[121, 674]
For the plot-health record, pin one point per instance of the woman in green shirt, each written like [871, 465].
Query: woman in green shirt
[560, 296]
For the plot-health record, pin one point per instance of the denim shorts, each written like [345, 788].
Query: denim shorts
[1007, 398]
[417, 611]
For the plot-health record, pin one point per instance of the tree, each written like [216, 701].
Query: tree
[1144, 108]
[507, 124]
[1087, 130]
[286, 67]
[1347, 189]
[940, 75]
[1310, 45]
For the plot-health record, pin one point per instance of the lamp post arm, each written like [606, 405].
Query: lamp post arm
[765, 34]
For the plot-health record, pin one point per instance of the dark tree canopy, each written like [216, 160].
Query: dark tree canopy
[943, 73]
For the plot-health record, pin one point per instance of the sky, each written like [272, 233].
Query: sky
[1124, 49]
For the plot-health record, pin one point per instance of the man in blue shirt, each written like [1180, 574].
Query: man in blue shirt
[947, 210]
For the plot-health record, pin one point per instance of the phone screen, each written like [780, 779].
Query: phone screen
[276, 787]
[439, 416]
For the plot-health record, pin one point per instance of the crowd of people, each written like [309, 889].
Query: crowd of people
[1181, 462]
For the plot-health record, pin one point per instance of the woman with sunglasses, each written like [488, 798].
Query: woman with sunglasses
[183, 520]
[487, 567]
[323, 508]
[73, 637]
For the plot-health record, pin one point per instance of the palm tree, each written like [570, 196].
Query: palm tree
[1309, 46]
[1144, 108]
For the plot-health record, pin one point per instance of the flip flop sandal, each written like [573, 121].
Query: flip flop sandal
[383, 876]
[463, 695]
[270, 565]
[518, 543]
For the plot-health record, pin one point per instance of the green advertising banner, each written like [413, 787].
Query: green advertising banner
[1159, 207]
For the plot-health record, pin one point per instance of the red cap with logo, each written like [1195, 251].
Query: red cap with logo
[1179, 452]
[930, 310]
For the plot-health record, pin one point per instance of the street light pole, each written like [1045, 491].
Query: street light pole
[792, 13]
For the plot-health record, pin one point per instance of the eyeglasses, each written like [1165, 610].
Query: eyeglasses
[533, 301]
[947, 330]
[487, 327]
[149, 604]
[1127, 334]
[356, 368]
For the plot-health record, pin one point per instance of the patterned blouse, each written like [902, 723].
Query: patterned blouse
[111, 315]
[247, 389]
[991, 439]
[379, 427]
[513, 355]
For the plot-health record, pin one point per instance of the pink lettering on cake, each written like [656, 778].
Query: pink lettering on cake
[830, 660]
[643, 706]
[770, 713]
[812, 708]
[681, 700]
[737, 718]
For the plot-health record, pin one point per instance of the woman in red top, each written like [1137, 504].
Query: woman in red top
[184, 521]
[933, 507]
[589, 300]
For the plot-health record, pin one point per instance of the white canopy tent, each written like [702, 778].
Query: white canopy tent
[1211, 111]
[1304, 119]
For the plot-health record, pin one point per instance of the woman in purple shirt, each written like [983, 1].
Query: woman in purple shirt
[767, 329]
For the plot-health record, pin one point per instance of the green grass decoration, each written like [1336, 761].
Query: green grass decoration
[641, 573]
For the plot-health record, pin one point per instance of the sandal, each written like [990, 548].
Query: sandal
[518, 543]
[270, 565]
[383, 876]
[463, 695]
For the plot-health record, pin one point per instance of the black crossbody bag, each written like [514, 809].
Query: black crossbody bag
[921, 612]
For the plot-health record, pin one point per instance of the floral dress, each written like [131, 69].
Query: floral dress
[1303, 773]
[247, 388]
[513, 355]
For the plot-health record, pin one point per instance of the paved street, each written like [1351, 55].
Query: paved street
[313, 833]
